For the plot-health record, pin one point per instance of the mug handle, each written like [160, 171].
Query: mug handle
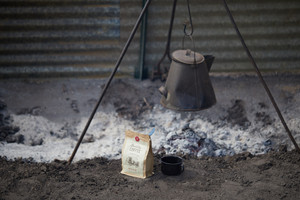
[182, 168]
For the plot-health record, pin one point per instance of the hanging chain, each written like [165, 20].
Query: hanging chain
[188, 22]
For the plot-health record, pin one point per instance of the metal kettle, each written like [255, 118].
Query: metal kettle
[188, 86]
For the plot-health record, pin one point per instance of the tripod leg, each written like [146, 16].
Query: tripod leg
[158, 73]
[110, 78]
[261, 78]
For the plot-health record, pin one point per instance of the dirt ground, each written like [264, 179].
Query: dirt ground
[275, 175]
[241, 102]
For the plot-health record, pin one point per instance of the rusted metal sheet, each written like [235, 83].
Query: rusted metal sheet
[86, 37]
[39, 37]
[270, 28]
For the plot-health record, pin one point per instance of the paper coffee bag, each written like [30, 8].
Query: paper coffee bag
[137, 156]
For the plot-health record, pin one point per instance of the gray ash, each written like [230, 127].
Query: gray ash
[237, 115]
[7, 131]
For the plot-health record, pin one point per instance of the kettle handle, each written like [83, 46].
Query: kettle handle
[194, 49]
[209, 59]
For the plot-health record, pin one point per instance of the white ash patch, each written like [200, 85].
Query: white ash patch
[45, 140]
[198, 137]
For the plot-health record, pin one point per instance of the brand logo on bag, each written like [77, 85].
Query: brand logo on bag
[137, 138]
[136, 149]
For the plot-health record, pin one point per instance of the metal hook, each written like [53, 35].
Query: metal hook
[189, 22]
[194, 48]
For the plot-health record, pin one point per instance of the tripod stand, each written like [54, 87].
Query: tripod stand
[158, 72]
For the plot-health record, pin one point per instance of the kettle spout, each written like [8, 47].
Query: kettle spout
[209, 59]
[163, 91]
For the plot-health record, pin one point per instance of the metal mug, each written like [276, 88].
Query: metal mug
[172, 165]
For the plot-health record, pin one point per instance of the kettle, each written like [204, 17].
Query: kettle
[188, 86]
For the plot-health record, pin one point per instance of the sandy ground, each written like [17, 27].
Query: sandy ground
[242, 106]
[270, 176]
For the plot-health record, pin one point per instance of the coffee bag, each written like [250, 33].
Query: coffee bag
[137, 156]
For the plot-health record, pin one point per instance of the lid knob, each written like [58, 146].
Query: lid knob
[188, 52]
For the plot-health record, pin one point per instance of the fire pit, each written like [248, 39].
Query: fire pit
[242, 122]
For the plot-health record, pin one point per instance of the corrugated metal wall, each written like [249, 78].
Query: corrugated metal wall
[86, 37]
[58, 37]
[271, 29]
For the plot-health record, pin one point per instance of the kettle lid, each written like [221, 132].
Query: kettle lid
[187, 56]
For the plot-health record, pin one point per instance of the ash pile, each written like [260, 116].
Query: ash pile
[238, 123]
[7, 130]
